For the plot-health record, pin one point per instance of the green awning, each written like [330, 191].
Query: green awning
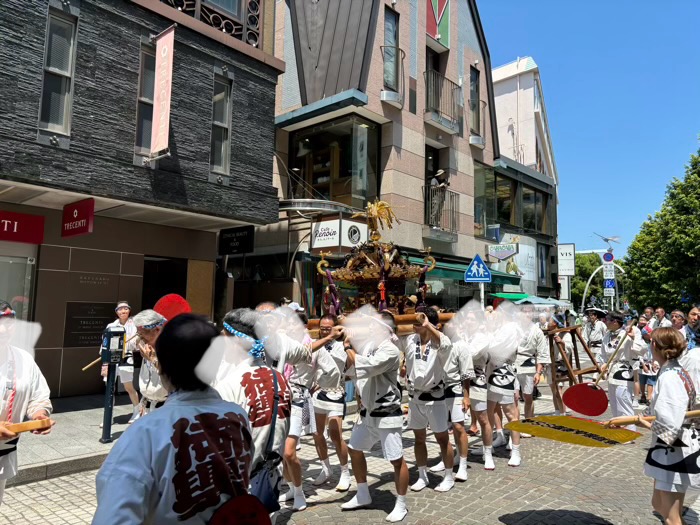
[510, 296]
[455, 272]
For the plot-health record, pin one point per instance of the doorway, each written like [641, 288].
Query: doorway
[161, 276]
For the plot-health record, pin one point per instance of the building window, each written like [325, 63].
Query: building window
[336, 160]
[543, 268]
[505, 201]
[391, 50]
[59, 58]
[233, 7]
[529, 219]
[474, 98]
[485, 223]
[144, 108]
[220, 125]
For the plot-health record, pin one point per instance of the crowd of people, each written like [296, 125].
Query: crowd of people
[222, 409]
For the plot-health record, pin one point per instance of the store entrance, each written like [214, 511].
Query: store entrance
[17, 284]
[162, 276]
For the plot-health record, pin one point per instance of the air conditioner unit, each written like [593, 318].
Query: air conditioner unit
[476, 140]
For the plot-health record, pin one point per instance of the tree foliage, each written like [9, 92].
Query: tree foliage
[663, 261]
[586, 264]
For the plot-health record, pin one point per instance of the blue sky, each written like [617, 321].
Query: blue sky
[621, 81]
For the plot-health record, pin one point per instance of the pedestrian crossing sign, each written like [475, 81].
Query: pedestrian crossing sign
[477, 272]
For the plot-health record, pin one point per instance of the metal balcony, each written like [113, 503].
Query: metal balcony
[441, 213]
[394, 89]
[442, 102]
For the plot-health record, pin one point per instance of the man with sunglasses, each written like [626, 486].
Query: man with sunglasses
[24, 393]
[621, 376]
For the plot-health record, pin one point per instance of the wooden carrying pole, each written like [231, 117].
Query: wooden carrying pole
[404, 323]
[631, 420]
[39, 424]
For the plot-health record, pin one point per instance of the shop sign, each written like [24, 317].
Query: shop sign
[234, 241]
[165, 45]
[21, 227]
[567, 259]
[337, 233]
[564, 294]
[502, 251]
[85, 323]
[78, 218]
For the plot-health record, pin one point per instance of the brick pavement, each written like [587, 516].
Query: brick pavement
[557, 484]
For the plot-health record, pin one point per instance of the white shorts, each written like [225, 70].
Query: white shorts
[126, 373]
[479, 406]
[501, 399]
[420, 415]
[454, 409]
[670, 487]
[297, 421]
[335, 412]
[364, 437]
[527, 383]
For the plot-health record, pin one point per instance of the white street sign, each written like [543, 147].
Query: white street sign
[609, 292]
[608, 271]
[567, 259]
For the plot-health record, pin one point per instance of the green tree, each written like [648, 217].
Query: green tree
[586, 264]
[663, 261]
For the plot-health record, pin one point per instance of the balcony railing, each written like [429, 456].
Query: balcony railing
[243, 25]
[393, 70]
[441, 208]
[441, 95]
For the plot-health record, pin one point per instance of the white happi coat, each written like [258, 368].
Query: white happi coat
[532, 350]
[19, 371]
[329, 392]
[178, 465]
[458, 368]
[376, 371]
[690, 361]
[426, 371]
[620, 372]
[594, 332]
[250, 385]
[675, 445]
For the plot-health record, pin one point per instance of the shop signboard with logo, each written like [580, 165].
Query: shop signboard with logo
[236, 241]
[21, 227]
[338, 234]
[78, 218]
[502, 251]
[566, 259]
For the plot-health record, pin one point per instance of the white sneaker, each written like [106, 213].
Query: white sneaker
[356, 503]
[136, 414]
[438, 468]
[499, 440]
[344, 483]
[287, 496]
[299, 502]
[321, 478]
[419, 485]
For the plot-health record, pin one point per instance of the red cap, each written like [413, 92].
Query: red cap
[172, 305]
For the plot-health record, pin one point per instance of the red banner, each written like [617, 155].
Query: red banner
[21, 227]
[165, 44]
[78, 218]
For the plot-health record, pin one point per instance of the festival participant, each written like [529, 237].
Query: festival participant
[648, 313]
[380, 420]
[459, 370]
[648, 369]
[594, 331]
[659, 320]
[678, 321]
[427, 351]
[187, 461]
[149, 324]
[244, 378]
[621, 376]
[502, 381]
[126, 369]
[329, 407]
[25, 394]
[675, 442]
[532, 356]
[307, 361]
[693, 326]
[549, 370]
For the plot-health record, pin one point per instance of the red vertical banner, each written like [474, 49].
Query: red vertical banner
[165, 45]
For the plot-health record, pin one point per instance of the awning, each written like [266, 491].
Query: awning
[510, 296]
[455, 272]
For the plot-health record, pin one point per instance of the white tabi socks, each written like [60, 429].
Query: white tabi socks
[438, 468]
[299, 499]
[462, 473]
[447, 482]
[422, 480]
[488, 459]
[344, 483]
[400, 510]
[325, 473]
[515, 458]
[360, 499]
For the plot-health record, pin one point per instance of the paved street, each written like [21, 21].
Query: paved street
[557, 484]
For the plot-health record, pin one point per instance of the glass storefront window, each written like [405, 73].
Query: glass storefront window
[529, 222]
[505, 200]
[17, 284]
[484, 201]
[337, 160]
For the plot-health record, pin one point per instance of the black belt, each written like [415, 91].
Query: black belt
[427, 396]
[11, 448]
[595, 343]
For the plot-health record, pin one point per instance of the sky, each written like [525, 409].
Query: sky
[621, 83]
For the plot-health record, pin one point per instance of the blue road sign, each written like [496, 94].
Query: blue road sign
[477, 272]
[608, 257]
[609, 283]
